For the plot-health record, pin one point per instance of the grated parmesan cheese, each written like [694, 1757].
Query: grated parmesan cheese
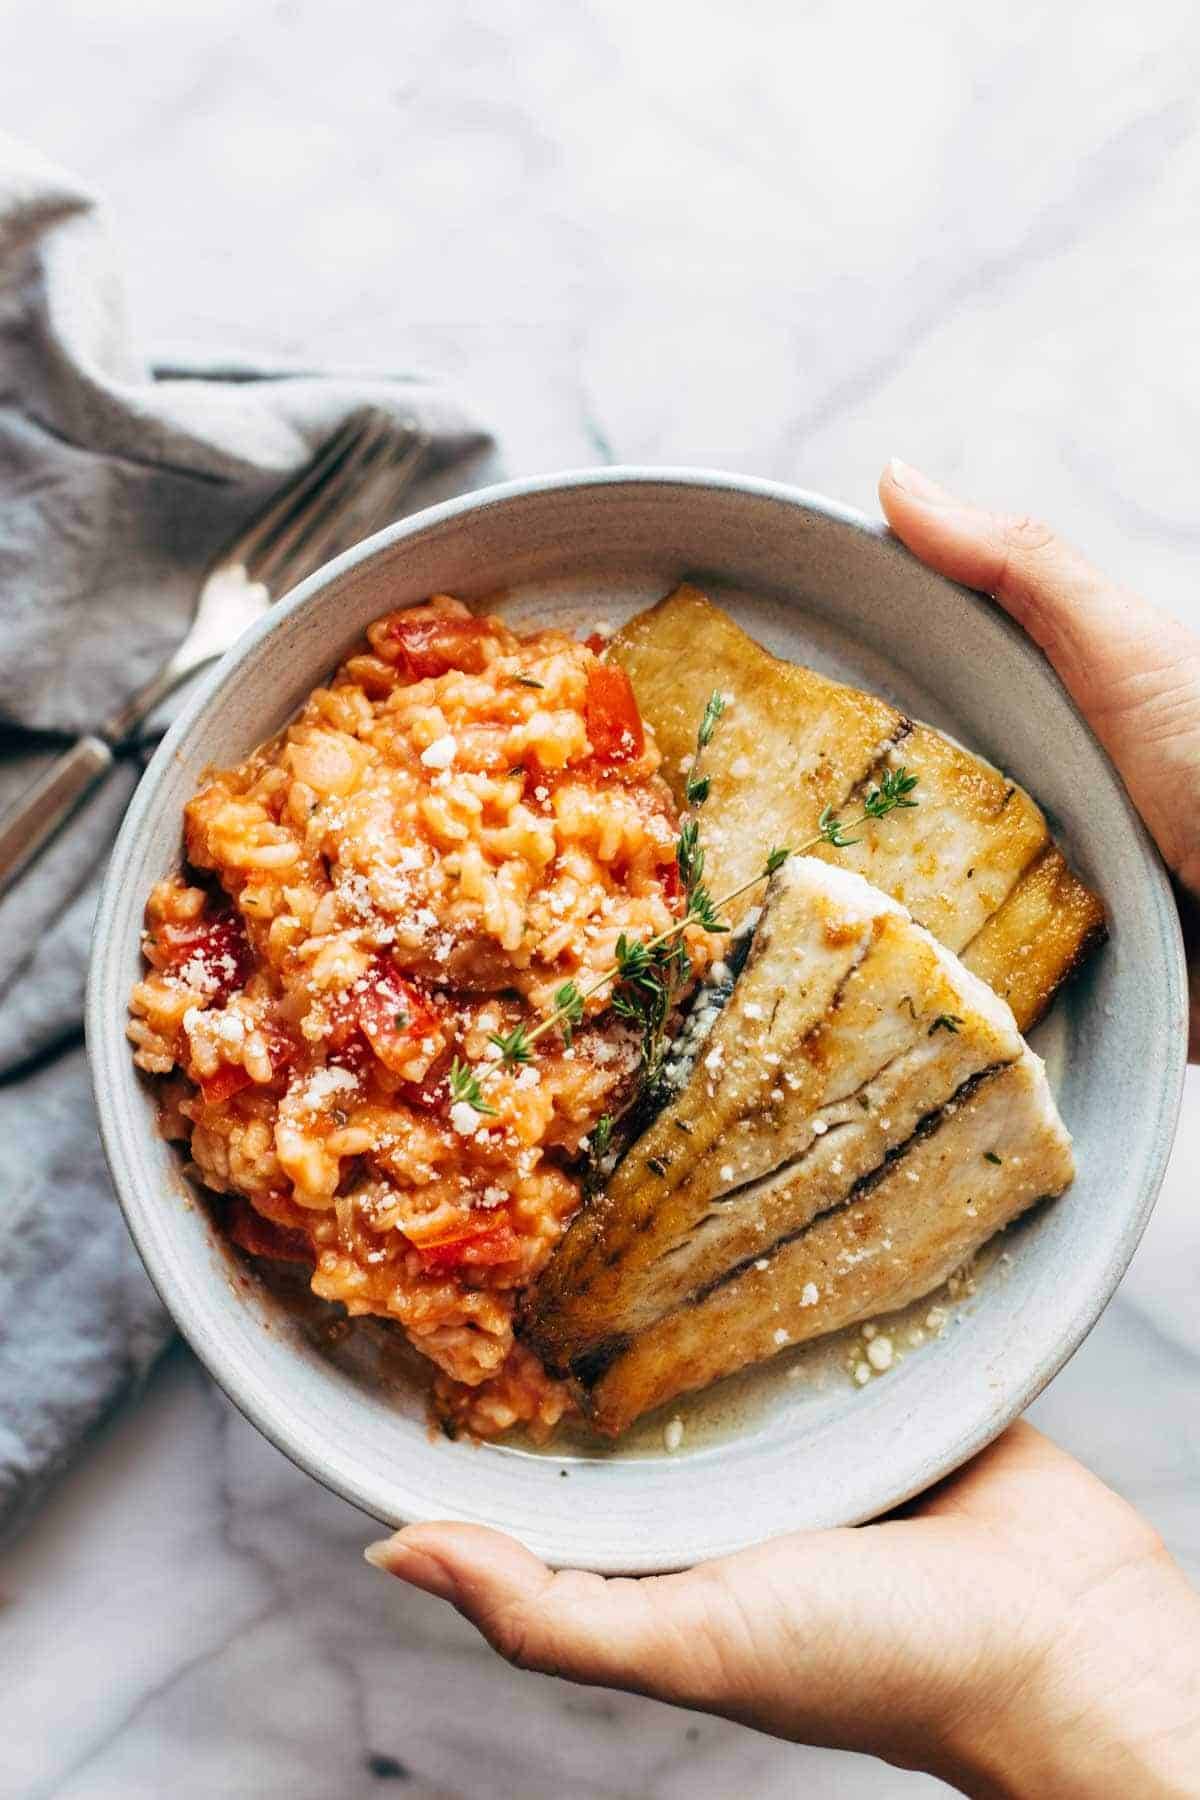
[441, 753]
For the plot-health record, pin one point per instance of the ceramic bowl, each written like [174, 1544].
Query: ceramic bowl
[796, 1444]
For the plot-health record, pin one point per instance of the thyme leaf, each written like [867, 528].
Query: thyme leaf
[702, 910]
[689, 857]
[466, 1085]
[697, 786]
[514, 1046]
[830, 830]
[568, 1003]
[708, 723]
[893, 791]
[599, 1144]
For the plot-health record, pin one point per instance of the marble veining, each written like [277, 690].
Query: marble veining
[789, 240]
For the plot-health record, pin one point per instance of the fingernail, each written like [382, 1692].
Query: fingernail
[916, 484]
[409, 1564]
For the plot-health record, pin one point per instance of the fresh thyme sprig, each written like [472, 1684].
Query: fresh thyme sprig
[513, 1046]
[689, 860]
[649, 980]
[599, 1143]
[568, 1003]
[646, 974]
[713, 709]
[697, 786]
[466, 1085]
[892, 792]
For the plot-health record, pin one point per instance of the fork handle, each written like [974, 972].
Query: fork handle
[48, 803]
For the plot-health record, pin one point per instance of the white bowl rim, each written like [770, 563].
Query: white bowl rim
[258, 1401]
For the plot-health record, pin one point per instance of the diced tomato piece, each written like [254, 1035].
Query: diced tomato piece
[264, 1237]
[229, 1079]
[614, 724]
[425, 647]
[672, 880]
[596, 643]
[393, 1014]
[536, 777]
[281, 1047]
[487, 1238]
[217, 949]
[343, 1039]
[499, 1245]
[433, 1093]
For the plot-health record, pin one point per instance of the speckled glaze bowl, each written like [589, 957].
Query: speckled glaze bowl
[796, 1444]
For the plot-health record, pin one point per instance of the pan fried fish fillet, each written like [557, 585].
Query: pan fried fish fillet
[849, 1036]
[793, 742]
[900, 1239]
[955, 859]
[826, 1058]
[1049, 924]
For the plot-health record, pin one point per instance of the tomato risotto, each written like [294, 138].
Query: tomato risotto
[462, 820]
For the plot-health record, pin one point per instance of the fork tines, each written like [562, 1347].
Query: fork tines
[357, 476]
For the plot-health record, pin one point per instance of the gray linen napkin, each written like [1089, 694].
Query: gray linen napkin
[117, 484]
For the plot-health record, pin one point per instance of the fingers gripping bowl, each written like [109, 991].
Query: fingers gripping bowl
[814, 584]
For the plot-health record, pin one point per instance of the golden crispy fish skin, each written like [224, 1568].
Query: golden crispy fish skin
[803, 1087]
[800, 742]
[894, 1242]
[955, 858]
[1044, 932]
[791, 742]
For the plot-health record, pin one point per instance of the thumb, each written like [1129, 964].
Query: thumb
[869, 1640]
[660, 1635]
[1133, 671]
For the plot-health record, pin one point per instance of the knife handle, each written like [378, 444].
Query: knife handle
[48, 803]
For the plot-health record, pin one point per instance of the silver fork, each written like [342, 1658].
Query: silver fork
[349, 488]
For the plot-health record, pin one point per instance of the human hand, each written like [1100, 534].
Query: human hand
[1019, 1631]
[1132, 670]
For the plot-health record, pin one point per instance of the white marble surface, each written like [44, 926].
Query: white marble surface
[783, 238]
